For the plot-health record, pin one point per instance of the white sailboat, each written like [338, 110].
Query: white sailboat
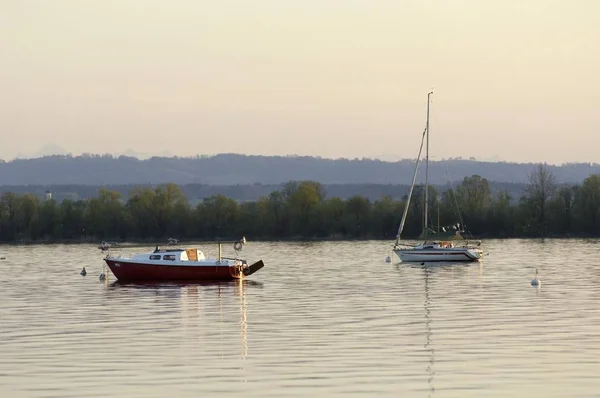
[433, 249]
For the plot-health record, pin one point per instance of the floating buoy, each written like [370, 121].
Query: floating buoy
[388, 259]
[535, 281]
[83, 272]
[102, 277]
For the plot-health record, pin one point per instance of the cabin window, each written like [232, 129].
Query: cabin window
[155, 257]
[169, 257]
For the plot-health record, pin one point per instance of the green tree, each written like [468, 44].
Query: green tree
[331, 218]
[9, 209]
[590, 204]
[164, 201]
[386, 217]
[541, 188]
[105, 217]
[499, 218]
[302, 202]
[72, 216]
[141, 209]
[28, 216]
[251, 219]
[277, 215]
[357, 217]
[49, 221]
[561, 209]
[218, 215]
[474, 198]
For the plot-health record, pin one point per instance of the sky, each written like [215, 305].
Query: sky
[513, 80]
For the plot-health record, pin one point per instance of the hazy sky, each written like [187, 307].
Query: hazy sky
[513, 80]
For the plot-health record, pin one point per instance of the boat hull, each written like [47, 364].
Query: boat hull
[125, 270]
[439, 255]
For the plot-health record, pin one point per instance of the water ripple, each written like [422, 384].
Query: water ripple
[331, 319]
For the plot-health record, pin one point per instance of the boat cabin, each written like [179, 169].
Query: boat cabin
[438, 245]
[175, 255]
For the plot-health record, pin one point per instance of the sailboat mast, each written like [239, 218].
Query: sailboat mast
[425, 222]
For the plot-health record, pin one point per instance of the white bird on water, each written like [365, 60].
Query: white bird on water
[535, 281]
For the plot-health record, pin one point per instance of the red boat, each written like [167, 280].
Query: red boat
[179, 264]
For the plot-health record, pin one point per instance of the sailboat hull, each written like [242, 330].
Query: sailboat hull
[456, 254]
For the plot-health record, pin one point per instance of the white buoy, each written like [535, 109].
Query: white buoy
[388, 259]
[535, 281]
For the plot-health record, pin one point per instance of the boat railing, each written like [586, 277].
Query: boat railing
[403, 244]
[238, 245]
[472, 243]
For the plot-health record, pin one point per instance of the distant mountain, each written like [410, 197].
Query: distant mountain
[140, 155]
[232, 169]
[50, 150]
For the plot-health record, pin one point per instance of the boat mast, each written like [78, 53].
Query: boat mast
[426, 170]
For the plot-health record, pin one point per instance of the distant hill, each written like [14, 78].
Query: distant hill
[234, 169]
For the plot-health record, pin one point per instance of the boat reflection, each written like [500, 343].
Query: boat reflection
[201, 301]
[442, 264]
[178, 285]
[196, 297]
[428, 346]
[445, 266]
[430, 270]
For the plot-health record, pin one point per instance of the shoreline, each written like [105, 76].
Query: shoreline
[183, 242]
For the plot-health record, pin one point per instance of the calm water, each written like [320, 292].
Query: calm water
[320, 319]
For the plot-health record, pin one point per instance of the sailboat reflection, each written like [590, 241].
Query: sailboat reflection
[429, 271]
[428, 346]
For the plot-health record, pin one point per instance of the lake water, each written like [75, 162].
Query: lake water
[321, 319]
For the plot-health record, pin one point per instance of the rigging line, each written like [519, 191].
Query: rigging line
[455, 201]
[401, 227]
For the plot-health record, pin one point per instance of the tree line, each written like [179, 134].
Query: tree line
[302, 210]
[242, 192]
